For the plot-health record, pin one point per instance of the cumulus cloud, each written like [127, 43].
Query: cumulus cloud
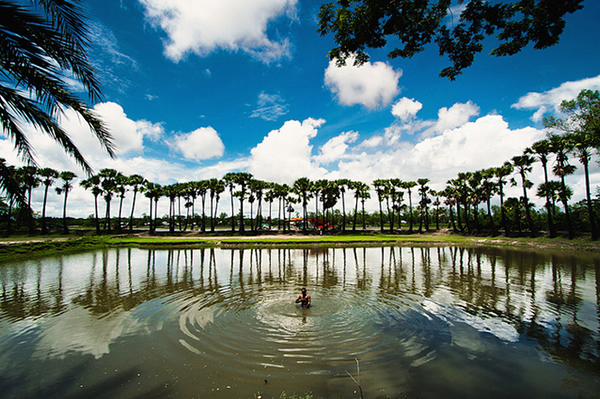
[406, 109]
[455, 116]
[270, 107]
[285, 154]
[442, 157]
[550, 100]
[128, 134]
[202, 143]
[203, 26]
[335, 148]
[370, 85]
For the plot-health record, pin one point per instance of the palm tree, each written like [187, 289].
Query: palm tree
[48, 176]
[281, 192]
[121, 188]
[93, 183]
[108, 182]
[27, 175]
[561, 148]
[501, 173]
[317, 189]
[67, 178]
[474, 197]
[408, 186]
[44, 46]
[258, 187]
[153, 192]
[302, 188]
[343, 185]
[361, 191]
[582, 124]
[582, 144]
[380, 186]
[330, 196]
[171, 191]
[489, 187]
[465, 197]
[423, 189]
[450, 194]
[215, 187]
[12, 188]
[270, 197]
[550, 190]
[541, 149]
[437, 204]
[242, 180]
[230, 181]
[138, 183]
[219, 189]
[522, 164]
[201, 189]
[396, 186]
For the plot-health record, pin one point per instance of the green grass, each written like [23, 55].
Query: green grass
[17, 247]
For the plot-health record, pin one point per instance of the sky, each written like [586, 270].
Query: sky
[194, 89]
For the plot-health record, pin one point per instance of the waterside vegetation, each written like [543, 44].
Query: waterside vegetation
[26, 247]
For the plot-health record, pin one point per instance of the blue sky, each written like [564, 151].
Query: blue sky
[196, 89]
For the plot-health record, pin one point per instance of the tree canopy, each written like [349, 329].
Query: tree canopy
[43, 46]
[459, 30]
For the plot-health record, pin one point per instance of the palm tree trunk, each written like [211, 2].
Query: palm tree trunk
[380, 215]
[527, 210]
[44, 227]
[132, 209]
[232, 212]
[589, 200]
[97, 216]
[155, 214]
[120, 210]
[355, 214]
[150, 225]
[551, 227]
[343, 212]
[363, 215]
[215, 214]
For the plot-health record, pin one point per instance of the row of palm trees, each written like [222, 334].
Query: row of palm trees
[462, 195]
[578, 135]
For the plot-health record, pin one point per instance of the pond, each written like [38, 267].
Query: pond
[409, 322]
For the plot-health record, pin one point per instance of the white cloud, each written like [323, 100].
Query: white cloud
[453, 117]
[406, 108]
[128, 134]
[335, 148]
[372, 142]
[370, 85]
[442, 157]
[111, 64]
[270, 107]
[551, 99]
[202, 26]
[284, 155]
[202, 143]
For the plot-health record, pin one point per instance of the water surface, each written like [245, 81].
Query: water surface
[424, 322]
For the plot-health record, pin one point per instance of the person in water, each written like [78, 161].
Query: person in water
[304, 299]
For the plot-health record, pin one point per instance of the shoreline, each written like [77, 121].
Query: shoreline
[20, 247]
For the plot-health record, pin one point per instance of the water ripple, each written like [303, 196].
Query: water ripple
[267, 328]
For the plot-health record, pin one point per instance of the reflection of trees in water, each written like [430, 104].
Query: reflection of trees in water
[542, 295]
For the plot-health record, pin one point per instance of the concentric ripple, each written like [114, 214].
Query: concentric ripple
[264, 327]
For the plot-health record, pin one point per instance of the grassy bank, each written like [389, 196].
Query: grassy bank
[14, 248]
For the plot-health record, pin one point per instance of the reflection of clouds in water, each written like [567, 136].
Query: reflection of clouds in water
[497, 327]
[80, 331]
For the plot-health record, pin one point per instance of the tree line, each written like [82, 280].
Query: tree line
[409, 203]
